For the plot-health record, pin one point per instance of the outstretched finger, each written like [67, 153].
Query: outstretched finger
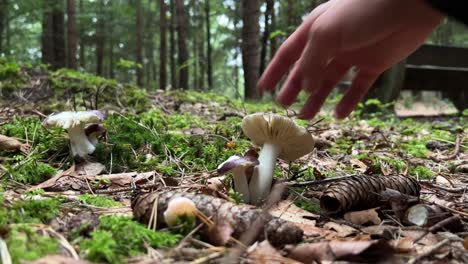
[289, 52]
[291, 87]
[333, 74]
[359, 87]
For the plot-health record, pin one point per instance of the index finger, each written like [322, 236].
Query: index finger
[289, 52]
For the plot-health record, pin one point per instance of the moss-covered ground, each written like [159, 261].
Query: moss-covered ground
[176, 134]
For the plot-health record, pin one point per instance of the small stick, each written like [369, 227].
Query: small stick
[429, 251]
[206, 259]
[451, 156]
[437, 226]
[312, 183]
[465, 215]
[450, 190]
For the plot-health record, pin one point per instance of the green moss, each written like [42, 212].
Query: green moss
[308, 206]
[118, 237]
[421, 172]
[11, 77]
[416, 148]
[25, 244]
[34, 211]
[98, 200]
[31, 171]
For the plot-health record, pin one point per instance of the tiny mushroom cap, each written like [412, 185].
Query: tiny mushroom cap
[177, 207]
[74, 123]
[94, 131]
[239, 167]
[278, 136]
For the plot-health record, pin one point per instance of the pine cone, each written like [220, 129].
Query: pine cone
[223, 213]
[362, 192]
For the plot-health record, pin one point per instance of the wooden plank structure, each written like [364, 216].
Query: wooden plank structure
[430, 68]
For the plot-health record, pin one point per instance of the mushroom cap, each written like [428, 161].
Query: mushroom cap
[235, 162]
[69, 119]
[95, 128]
[177, 207]
[294, 141]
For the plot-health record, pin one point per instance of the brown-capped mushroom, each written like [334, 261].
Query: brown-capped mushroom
[278, 136]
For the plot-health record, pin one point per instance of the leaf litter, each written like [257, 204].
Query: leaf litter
[420, 217]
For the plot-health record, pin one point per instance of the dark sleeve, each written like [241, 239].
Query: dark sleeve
[452, 8]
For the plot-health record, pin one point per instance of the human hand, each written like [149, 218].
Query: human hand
[339, 34]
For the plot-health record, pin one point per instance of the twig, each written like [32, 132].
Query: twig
[311, 183]
[453, 155]
[451, 190]
[127, 189]
[429, 251]
[463, 214]
[437, 226]
[208, 258]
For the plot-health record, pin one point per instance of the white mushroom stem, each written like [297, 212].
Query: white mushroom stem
[79, 142]
[260, 184]
[240, 183]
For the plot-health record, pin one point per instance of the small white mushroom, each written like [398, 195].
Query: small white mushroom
[178, 207]
[278, 136]
[74, 123]
[239, 166]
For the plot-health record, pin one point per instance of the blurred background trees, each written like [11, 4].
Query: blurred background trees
[220, 46]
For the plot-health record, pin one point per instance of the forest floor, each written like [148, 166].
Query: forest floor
[54, 209]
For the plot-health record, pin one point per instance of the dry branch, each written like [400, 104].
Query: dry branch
[224, 214]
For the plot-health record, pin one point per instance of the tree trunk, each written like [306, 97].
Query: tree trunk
[172, 46]
[149, 42]
[162, 48]
[139, 43]
[208, 45]
[266, 34]
[100, 39]
[201, 52]
[250, 46]
[3, 20]
[59, 36]
[111, 39]
[195, 30]
[273, 40]
[290, 16]
[53, 35]
[81, 36]
[183, 52]
[71, 34]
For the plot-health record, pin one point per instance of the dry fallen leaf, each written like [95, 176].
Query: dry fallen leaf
[87, 168]
[442, 181]
[288, 211]
[57, 259]
[355, 251]
[264, 252]
[403, 245]
[361, 166]
[12, 144]
[343, 230]
[369, 216]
